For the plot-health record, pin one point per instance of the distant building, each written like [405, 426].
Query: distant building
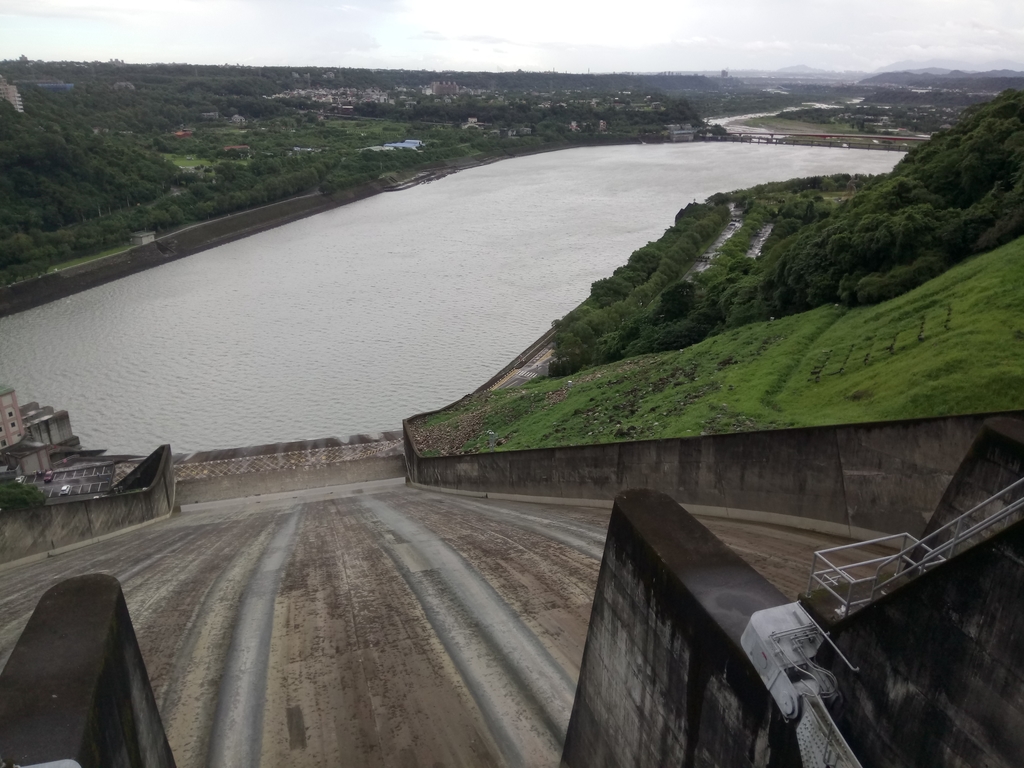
[238, 120]
[124, 86]
[725, 73]
[27, 456]
[142, 237]
[444, 88]
[407, 144]
[54, 85]
[44, 425]
[238, 147]
[209, 115]
[183, 134]
[680, 132]
[10, 93]
[13, 428]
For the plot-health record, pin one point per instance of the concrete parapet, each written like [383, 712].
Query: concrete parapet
[664, 680]
[75, 686]
[36, 531]
[258, 483]
[857, 480]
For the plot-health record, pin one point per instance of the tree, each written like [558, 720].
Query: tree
[20, 496]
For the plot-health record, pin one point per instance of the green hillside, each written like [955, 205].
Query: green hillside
[952, 345]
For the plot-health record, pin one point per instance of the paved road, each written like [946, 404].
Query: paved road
[366, 625]
[535, 366]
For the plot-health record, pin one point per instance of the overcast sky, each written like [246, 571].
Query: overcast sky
[564, 35]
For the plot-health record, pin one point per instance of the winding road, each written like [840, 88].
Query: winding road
[367, 625]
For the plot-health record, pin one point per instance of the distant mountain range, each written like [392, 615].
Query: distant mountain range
[899, 73]
[946, 66]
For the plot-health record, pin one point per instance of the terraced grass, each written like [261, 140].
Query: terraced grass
[954, 345]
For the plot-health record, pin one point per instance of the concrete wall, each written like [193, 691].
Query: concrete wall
[664, 681]
[856, 479]
[75, 686]
[257, 483]
[941, 680]
[39, 530]
[50, 429]
[994, 461]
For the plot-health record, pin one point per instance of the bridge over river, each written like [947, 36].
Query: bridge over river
[368, 624]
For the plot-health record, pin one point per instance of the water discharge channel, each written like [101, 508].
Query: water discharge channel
[348, 321]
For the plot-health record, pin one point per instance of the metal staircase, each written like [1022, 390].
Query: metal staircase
[858, 584]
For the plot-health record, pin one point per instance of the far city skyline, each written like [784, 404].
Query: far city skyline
[651, 35]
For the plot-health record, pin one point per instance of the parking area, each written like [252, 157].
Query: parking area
[79, 481]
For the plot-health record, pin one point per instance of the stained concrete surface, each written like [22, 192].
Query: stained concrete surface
[367, 625]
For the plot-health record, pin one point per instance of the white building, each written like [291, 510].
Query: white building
[142, 237]
[10, 93]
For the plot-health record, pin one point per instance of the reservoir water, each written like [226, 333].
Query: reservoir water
[349, 321]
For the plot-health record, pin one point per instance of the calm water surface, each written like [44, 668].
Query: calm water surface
[348, 321]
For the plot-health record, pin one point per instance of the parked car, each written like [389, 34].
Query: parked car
[48, 476]
[65, 490]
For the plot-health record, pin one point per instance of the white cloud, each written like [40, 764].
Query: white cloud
[648, 35]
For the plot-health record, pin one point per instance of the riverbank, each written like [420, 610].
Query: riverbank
[938, 350]
[195, 238]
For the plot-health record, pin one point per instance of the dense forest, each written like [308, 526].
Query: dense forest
[835, 240]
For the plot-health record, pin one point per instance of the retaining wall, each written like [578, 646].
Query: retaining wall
[994, 461]
[941, 678]
[258, 483]
[75, 686]
[856, 480]
[37, 531]
[664, 680]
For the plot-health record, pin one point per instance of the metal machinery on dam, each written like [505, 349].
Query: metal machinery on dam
[377, 624]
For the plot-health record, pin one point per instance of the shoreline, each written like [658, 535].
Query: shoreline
[201, 236]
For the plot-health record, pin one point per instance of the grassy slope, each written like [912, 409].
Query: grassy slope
[954, 345]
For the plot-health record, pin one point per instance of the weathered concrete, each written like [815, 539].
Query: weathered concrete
[405, 624]
[941, 681]
[856, 480]
[259, 483]
[148, 496]
[75, 686]
[664, 680]
[995, 461]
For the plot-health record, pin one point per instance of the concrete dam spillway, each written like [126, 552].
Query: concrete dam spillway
[377, 625]
[380, 624]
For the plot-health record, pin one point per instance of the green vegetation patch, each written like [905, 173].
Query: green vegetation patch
[953, 345]
[20, 496]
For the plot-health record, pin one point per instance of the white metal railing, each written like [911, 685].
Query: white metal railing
[861, 583]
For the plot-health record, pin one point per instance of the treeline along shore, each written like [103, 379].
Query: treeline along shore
[193, 239]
